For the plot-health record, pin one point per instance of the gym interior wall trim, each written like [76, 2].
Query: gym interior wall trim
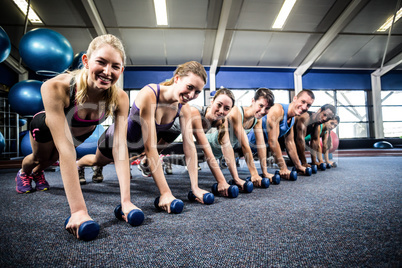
[251, 78]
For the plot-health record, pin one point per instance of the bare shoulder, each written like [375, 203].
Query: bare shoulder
[57, 86]
[275, 113]
[194, 111]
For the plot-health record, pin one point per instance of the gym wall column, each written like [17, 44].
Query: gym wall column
[377, 106]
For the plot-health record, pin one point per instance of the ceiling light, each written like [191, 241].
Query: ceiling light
[32, 16]
[283, 14]
[388, 23]
[160, 12]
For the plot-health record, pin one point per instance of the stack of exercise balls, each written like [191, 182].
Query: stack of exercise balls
[46, 52]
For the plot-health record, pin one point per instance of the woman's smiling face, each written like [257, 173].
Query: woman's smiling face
[104, 67]
[221, 106]
[188, 87]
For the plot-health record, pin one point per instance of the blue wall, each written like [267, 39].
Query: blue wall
[246, 78]
[7, 76]
[392, 81]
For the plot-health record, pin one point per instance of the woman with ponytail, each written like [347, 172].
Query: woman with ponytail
[239, 121]
[75, 103]
[154, 110]
[206, 119]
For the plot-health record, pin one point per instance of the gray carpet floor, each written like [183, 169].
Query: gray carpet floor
[349, 216]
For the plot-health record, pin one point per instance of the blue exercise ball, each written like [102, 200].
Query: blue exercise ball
[2, 143]
[383, 145]
[46, 52]
[5, 45]
[77, 61]
[22, 122]
[89, 145]
[25, 97]
[25, 144]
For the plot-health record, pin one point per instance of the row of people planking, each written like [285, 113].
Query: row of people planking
[158, 115]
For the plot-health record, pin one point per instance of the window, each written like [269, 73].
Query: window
[352, 109]
[392, 113]
[281, 96]
[351, 106]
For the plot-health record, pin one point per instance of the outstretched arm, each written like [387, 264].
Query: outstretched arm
[300, 135]
[316, 150]
[228, 153]
[206, 147]
[274, 117]
[292, 152]
[261, 149]
[55, 97]
[190, 151]
[120, 152]
[236, 121]
[146, 102]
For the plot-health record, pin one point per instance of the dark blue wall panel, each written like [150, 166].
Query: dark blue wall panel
[7, 76]
[254, 78]
[244, 78]
[392, 81]
[323, 79]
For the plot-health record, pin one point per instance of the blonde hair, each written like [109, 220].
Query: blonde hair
[229, 93]
[110, 96]
[183, 69]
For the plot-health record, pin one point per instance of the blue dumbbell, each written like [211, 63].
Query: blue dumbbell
[233, 190]
[135, 217]
[264, 182]
[176, 206]
[329, 166]
[87, 231]
[208, 198]
[276, 179]
[247, 186]
[323, 166]
[293, 174]
[314, 169]
[334, 164]
[308, 171]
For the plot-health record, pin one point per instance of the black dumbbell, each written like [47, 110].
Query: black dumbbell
[264, 182]
[87, 231]
[276, 179]
[208, 198]
[176, 206]
[247, 186]
[314, 169]
[233, 190]
[334, 164]
[323, 166]
[135, 217]
[328, 166]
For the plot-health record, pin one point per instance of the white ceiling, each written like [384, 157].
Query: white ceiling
[335, 34]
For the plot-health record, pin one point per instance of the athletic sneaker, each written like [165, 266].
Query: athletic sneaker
[81, 175]
[98, 176]
[23, 182]
[40, 181]
[136, 162]
[168, 168]
[146, 172]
